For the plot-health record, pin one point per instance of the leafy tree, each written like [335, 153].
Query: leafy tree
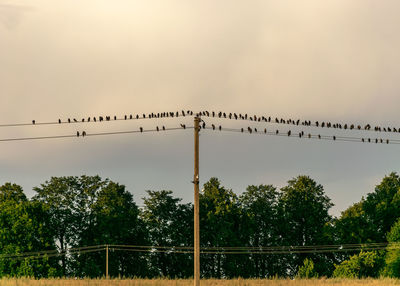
[364, 264]
[23, 228]
[259, 229]
[113, 218]
[392, 259]
[303, 213]
[169, 224]
[382, 207]
[68, 201]
[220, 227]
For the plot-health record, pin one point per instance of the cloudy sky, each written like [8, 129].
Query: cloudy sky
[334, 60]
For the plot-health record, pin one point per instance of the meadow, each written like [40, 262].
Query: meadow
[208, 282]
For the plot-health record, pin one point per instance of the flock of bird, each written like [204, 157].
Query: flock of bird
[235, 116]
[239, 116]
[301, 134]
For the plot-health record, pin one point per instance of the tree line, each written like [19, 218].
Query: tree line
[71, 212]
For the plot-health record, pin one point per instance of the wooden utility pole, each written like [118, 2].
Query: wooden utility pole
[196, 203]
[107, 261]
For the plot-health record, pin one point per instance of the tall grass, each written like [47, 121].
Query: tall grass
[208, 282]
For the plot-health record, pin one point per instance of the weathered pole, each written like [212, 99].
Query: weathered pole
[196, 203]
[107, 261]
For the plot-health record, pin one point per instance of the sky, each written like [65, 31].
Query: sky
[333, 60]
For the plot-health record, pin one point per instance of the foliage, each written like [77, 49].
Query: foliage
[168, 223]
[307, 270]
[304, 220]
[23, 228]
[392, 259]
[364, 264]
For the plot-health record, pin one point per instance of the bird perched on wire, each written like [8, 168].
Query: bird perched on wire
[289, 133]
[141, 129]
[75, 120]
[33, 122]
[220, 128]
[213, 126]
[183, 126]
[83, 133]
[163, 128]
[158, 129]
[77, 133]
[59, 121]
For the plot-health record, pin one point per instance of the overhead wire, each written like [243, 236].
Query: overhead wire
[160, 129]
[303, 135]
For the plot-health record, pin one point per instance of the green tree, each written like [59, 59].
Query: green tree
[362, 265]
[68, 201]
[392, 258]
[169, 223]
[23, 228]
[259, 229]
[220, 226]
[304, 220]
[113, 219]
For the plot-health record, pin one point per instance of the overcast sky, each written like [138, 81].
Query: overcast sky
[333, 60]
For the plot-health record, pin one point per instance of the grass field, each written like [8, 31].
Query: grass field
[210, 282]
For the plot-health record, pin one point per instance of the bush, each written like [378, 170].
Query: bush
[365, 264]
[307, 270]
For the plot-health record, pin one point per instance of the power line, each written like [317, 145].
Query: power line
[298, 122]
[217, 115]
[106, 118]
[206, 250]
[85, 134]
[302, 134]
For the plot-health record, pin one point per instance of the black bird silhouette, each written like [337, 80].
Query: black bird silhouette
[59, 120]
[158, 129]
[33, 121]
[220, 128]
[309, 135]
[108, 118]
[265, 130]
[319, 136]
[137, 116]
[204, 125]
[213, 126]
[69, 120]
[255, 130]
[362, 139]
[88, 119]
[94, 119]
[163, 128]
[277, 131]
[183, 126]
[369, 140]
[83, 133]
[250, 130]
[75, 120]
[334, 137]
[241, 130]
[126, 117]
[77, 133]
[101, 118]
[130, 116]
[289, 132]
[83, 119]
[141, 129]
[387, 141]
